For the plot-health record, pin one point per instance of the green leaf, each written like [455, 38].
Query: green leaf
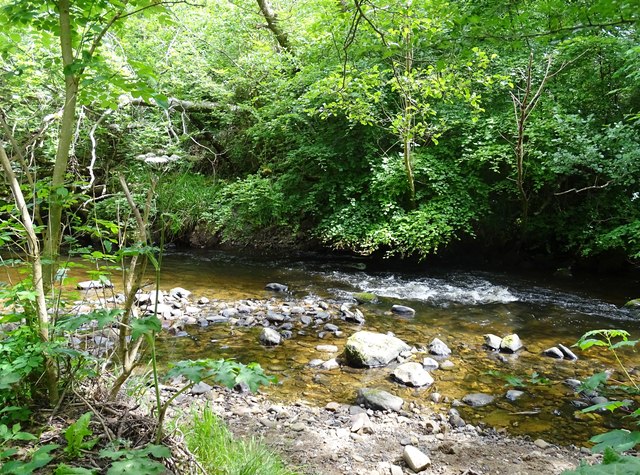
[8, 379]
[619, 440]
[142, 466]
[64, 469]
[611, 406]
[145, 326]
[593, 382]
[612, 464]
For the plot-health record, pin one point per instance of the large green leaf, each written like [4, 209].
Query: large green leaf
[619, 439]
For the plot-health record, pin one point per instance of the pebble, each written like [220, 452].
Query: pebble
[298, 426]
[327, 348]
[415, 458]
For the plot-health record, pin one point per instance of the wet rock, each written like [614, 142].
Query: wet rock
[377, 399]
[94, 284]
[354, 315]
[270, 337]
[286, 334]
[573, 383]
[514, 394]
[179, 292]
[447, 365]
[229, 312]
[315, 362]
[365, 297]
[327, 348]
[216, 319]
[435, 397]
[330, 327]
[372, 349]
[306, 320]
[493, 342]
[403, 310]
[439, 348]
[455, 420]
[430, 364]
[412, 374]
[568, 354]
[330, 364]
[297, 310]
[276, 287]
[415, 458]
[511, 343]
[554, 352]
[203, 301]
[478, 399]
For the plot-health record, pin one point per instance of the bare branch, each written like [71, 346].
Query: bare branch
[586, 188]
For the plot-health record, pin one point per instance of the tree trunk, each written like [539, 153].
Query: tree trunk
[54, 226]
[273, 24]
[33, 247]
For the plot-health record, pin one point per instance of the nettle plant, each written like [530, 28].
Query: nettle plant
[614, 442]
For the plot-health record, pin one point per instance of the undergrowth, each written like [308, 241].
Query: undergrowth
[216, 449]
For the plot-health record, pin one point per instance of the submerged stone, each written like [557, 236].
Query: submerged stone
[365, 297]
[478, 399]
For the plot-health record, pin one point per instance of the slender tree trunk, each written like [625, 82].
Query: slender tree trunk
[274, 25]
[33, 246]
[54, 229]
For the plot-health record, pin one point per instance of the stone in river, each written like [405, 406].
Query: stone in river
[306, 320]
[377, 399]
[415, 458]
[478, 399]
[327, 348]
[554, 352]
[439, 348]
[513, 394]
[276, 287]
[430, 364]
[570, 355]
[179, 292]
[492, 341]
[511, 343]
[330, 327]
[412, 374]
[270, 337]
[94, 284]
[330, 364]
[372, 349]
[403, 310]
[229, 312]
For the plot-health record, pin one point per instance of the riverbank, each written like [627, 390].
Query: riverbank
[342, 439]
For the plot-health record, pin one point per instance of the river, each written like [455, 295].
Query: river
[457, 306]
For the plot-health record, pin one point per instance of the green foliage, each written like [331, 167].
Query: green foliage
[520, 382]
[75, 436]
[225, 372]
[219, 452]
[126, 461]
[613, 463]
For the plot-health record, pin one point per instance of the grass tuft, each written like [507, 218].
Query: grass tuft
[213, 444]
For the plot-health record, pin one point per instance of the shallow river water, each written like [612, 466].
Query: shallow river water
[457, 306]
